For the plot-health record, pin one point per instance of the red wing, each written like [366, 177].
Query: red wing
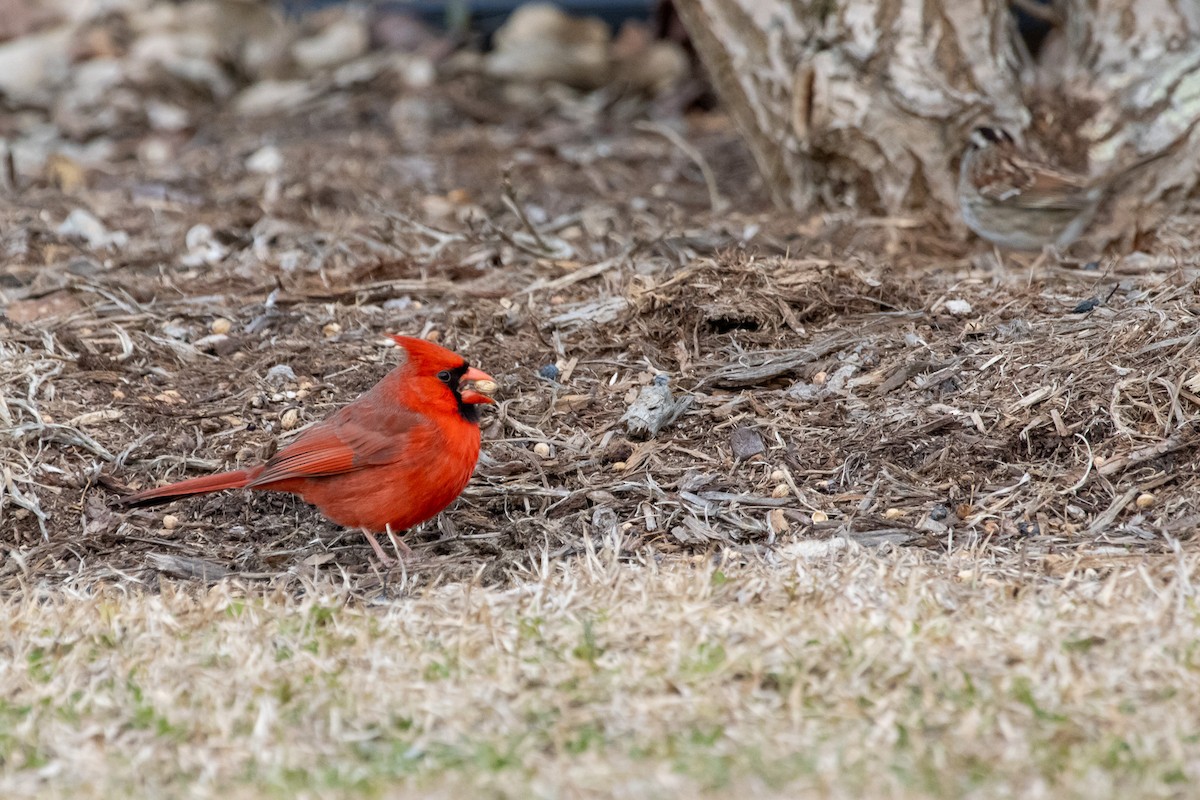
[357, 436]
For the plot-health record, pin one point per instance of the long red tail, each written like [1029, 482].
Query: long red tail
[209, 483]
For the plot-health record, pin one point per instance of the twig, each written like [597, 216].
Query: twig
[578, 275]
[186, 567]
[1177, 441]
[18, 498]
[510, 200]
[715, 200]
[1087, 470]
[1104, 520]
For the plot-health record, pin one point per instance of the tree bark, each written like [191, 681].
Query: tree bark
[867, 103]
[1131, 71]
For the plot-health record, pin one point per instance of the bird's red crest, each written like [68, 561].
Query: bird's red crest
[424, 355]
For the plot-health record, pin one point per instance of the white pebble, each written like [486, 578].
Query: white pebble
[280, 374]
[265, 160]
[959, 308]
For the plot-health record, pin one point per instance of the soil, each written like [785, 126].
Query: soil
[878, 379]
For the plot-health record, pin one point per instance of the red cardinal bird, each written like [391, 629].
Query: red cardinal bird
[393, 458]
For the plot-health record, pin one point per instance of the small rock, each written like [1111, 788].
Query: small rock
[270, 97]
[550, 372]
[202, 247]
[265, 160]
[539, 42]
[342, 40]
[82, 224]
[746, 443]
[29, 65]
[166, 116]
[155, 151]
[280, 374]
[415, 72]
[653, 409]
[958, 308]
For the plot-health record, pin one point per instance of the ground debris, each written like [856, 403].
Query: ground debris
[654, 409]
[186, 567]
[746, 443]
[751, 369]
[826, 380]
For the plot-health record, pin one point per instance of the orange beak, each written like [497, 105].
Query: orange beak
[483, 382]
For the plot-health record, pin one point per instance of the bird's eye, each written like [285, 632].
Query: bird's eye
[444, 376]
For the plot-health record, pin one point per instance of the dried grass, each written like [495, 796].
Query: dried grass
[826, 670]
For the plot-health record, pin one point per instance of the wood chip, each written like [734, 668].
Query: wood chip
[746, 443]
[186, 567]
[754, 368]
[653, 409]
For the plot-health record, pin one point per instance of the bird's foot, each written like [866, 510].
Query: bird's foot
[402, 550]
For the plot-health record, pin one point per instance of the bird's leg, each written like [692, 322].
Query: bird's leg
[383, 557]
[1048, 252]
[999, 258]
[399, 544]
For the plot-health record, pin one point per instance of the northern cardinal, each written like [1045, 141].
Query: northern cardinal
[391, 459]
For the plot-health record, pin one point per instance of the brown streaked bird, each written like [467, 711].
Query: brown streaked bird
[1019, 203]
[391, 459]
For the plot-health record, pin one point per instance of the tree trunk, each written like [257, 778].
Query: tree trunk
[867, 103]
